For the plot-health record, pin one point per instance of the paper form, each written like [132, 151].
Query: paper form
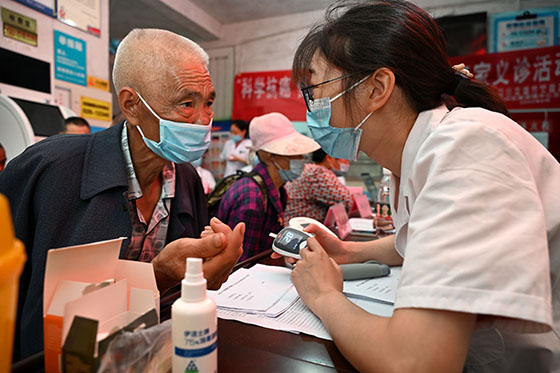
[257, 290]
[297, 318]
[381, 289]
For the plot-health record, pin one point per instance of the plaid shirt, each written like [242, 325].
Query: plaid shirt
[314, 192]
[147, 238]
[244, 202]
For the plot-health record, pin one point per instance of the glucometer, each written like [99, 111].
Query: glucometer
[289, 241]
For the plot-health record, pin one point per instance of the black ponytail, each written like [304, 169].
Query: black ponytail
[472, 93]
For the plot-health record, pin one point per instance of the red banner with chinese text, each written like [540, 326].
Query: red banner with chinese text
[529, 81]
[258, 93]
[525, 79]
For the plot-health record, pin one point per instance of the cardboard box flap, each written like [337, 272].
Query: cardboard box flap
[103, 304]
[66, 291]
[138, 274]
[141, 301]
[91, 263]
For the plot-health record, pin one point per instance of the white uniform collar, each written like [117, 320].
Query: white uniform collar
[422, 128]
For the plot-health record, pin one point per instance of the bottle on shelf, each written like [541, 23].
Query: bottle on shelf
[384, 187]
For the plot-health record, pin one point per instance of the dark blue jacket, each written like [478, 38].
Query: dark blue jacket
[70, 190]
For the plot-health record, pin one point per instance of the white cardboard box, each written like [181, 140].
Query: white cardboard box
[127, 290]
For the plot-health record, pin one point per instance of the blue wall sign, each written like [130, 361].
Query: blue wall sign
[69, 58]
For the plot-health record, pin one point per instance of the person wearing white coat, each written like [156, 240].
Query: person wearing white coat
[475, 201]
[236, 149]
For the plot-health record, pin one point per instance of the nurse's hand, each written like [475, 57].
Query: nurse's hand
[316, 275]
[220, 249]
[337, 249]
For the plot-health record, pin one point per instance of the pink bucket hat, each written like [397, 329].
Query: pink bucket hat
[274, 133]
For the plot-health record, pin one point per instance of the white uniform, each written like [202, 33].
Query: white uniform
[242, 151]
[478, 225]
[208, 181]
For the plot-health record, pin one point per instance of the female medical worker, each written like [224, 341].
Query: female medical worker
[236, 149]
[476, 202]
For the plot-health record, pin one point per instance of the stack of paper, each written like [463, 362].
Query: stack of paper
[263, 290]
[265, 296]
[361, 225]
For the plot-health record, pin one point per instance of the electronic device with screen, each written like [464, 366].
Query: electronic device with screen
[289, 241]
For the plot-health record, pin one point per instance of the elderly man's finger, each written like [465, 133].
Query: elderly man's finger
[205, 247]
[218, 226]
[218, 268]
[206, 232]
[235, 240]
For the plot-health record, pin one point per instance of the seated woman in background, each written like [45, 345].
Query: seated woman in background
[280, 149]
[317, 189]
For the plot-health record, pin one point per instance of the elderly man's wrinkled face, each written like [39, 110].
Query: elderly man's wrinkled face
[187, 97]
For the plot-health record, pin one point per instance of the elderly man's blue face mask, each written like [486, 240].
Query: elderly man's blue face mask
[178, 142]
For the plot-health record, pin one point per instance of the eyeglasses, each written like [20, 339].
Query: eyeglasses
[308, 91]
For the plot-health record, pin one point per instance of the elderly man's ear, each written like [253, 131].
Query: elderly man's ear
[129, 103]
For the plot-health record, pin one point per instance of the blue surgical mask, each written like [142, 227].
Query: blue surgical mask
[178, 142]
[336, 142]
[296, 168]
[254, 158]
[236, 138]
[197, 162]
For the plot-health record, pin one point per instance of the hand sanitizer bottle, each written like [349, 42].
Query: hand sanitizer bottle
[194, 324]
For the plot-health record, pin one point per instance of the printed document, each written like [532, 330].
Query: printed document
[238, 299]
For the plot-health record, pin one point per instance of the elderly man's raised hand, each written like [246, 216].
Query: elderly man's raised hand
[220, 265]
[219, 249]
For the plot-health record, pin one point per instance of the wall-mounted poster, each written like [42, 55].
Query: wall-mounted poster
[44, 6]
[19, 27]
[69, 58]
[82, 14]
[534, 28]
[95, 109]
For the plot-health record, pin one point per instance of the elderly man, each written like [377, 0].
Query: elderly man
[131, 180]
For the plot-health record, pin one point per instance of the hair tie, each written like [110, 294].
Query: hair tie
[460, 74]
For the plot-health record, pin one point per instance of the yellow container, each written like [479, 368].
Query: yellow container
[12, 258]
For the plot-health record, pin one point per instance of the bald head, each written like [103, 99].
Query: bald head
[147, 59]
